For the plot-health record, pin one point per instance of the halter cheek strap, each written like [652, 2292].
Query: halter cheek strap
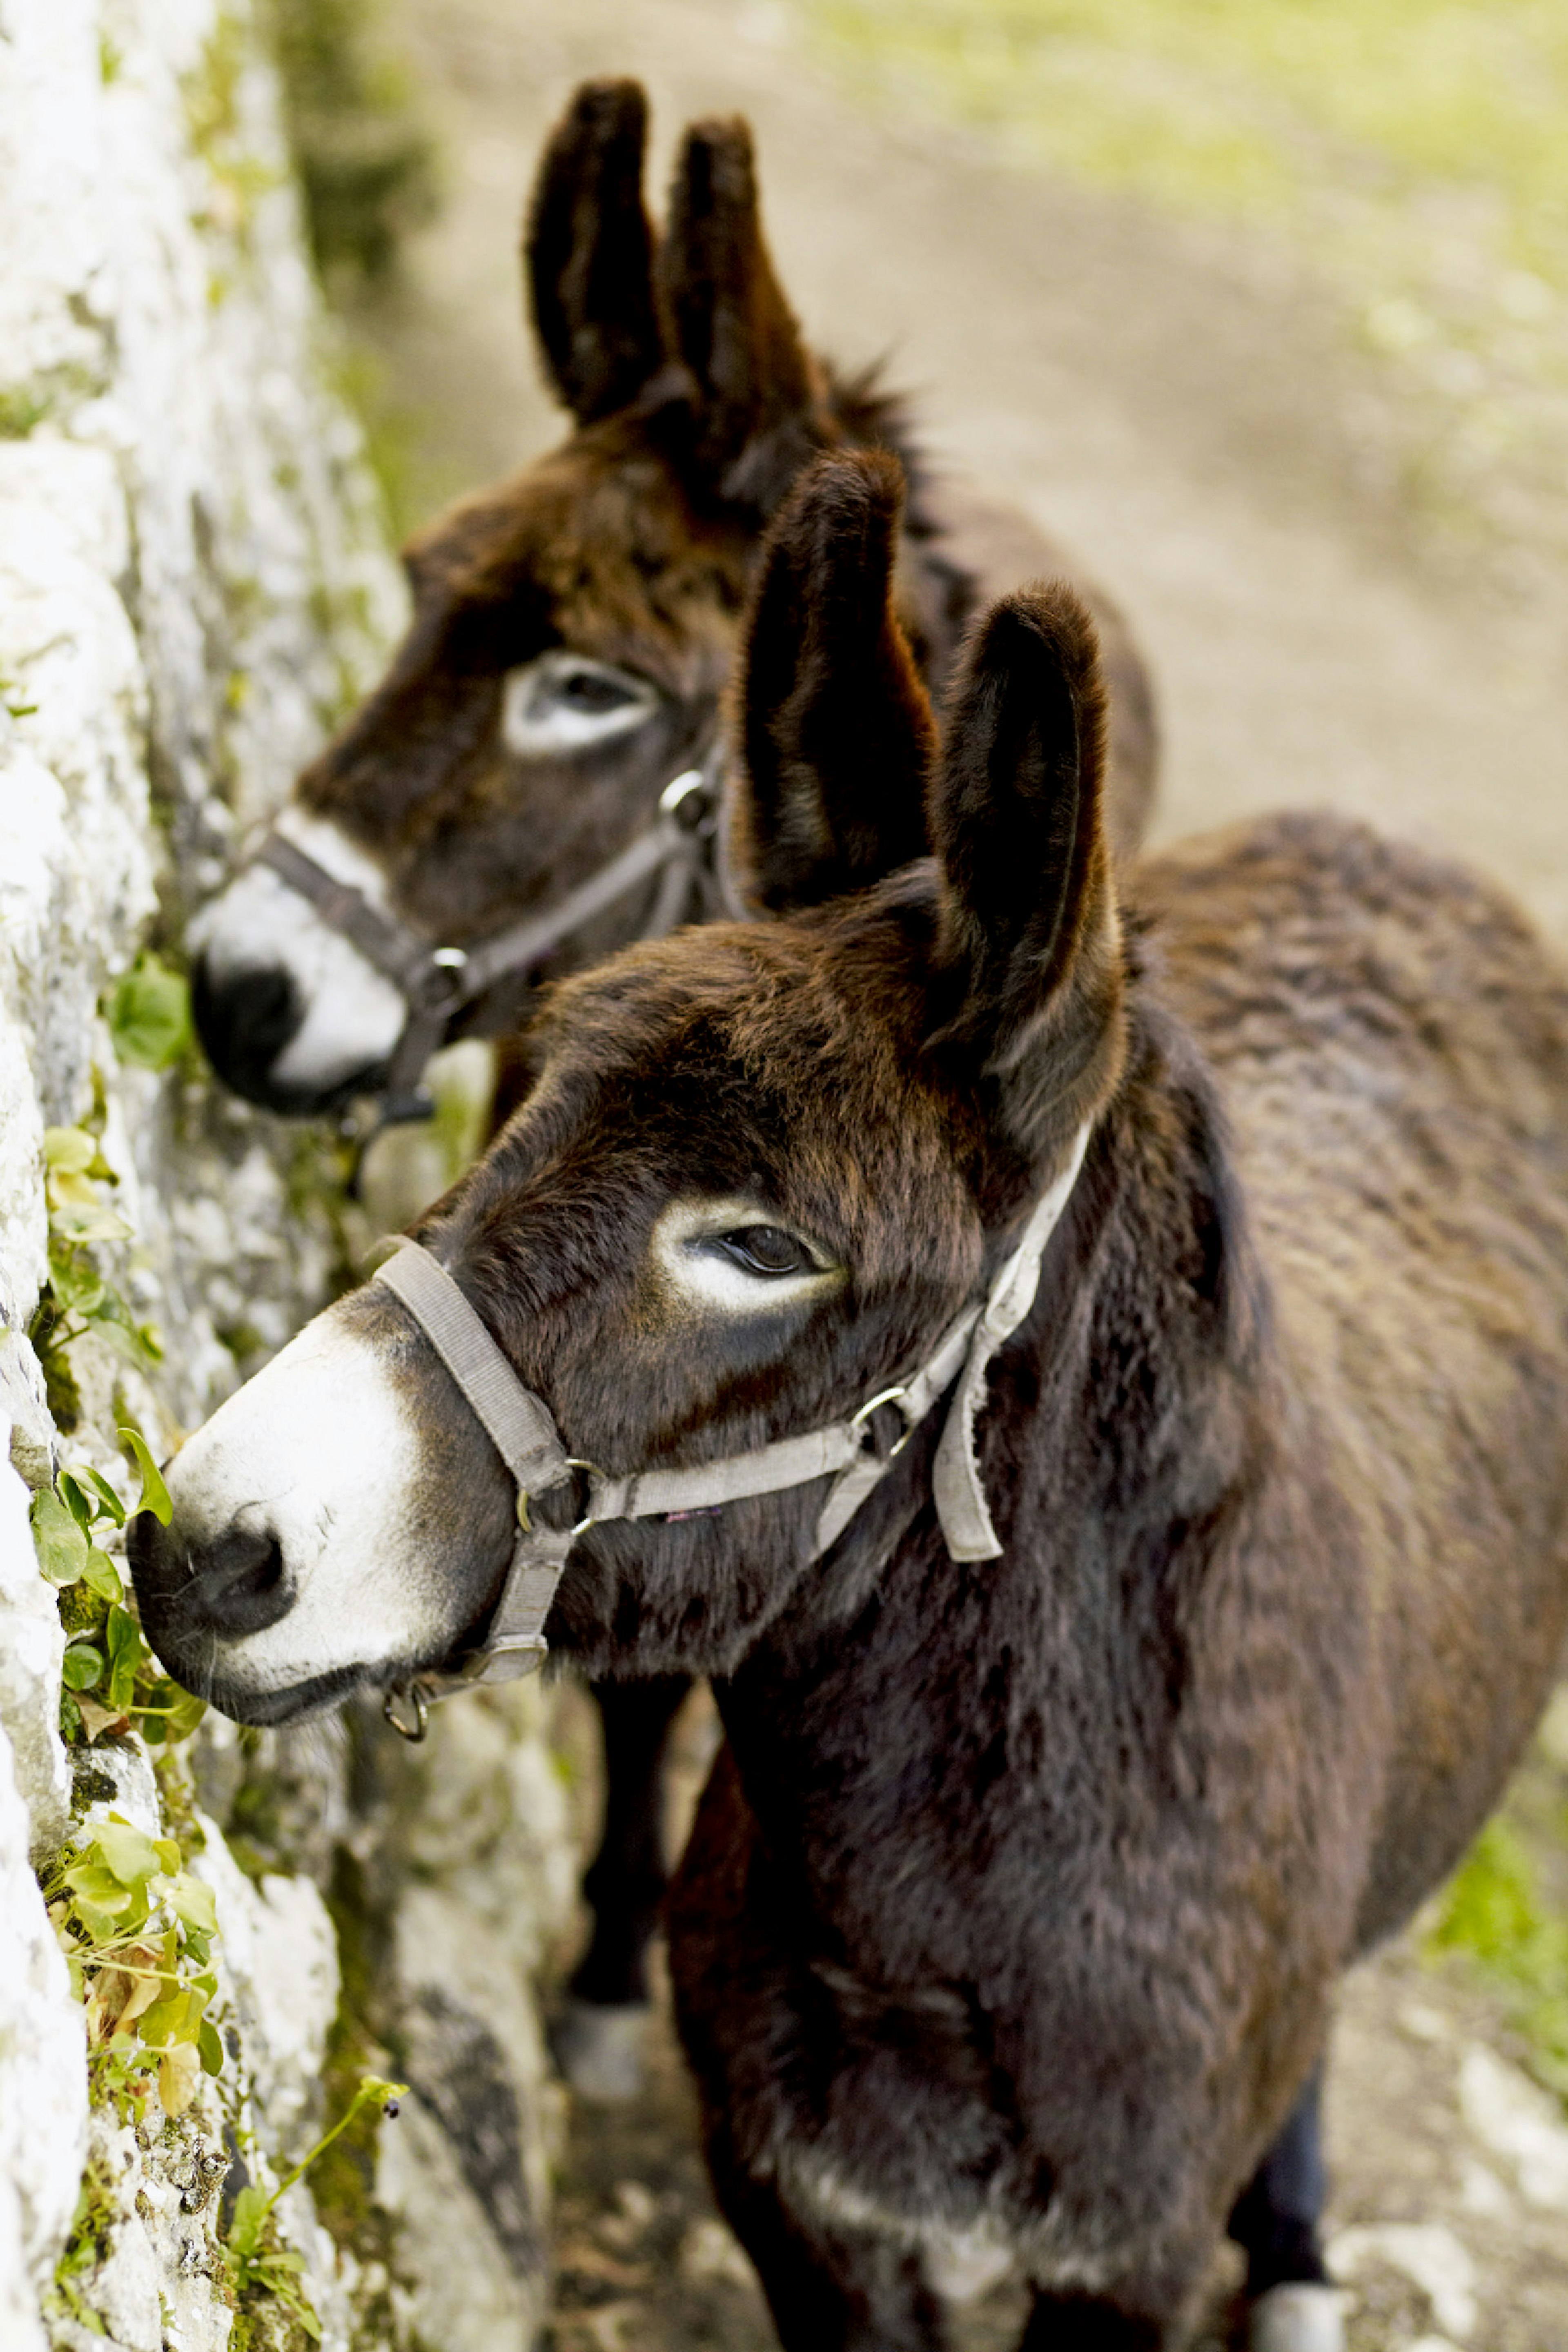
[520, 1428]
[437, 984]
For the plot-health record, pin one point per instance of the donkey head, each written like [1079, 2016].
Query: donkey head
[762, 1167]
[571, 628]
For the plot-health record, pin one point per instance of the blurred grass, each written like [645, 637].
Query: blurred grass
[1505, 1910]
[1413, 152]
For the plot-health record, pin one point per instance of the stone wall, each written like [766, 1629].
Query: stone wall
[192, 587]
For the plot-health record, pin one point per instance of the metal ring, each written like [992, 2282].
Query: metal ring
[416, 1697]
[873, 1404]
[575, 1462]
[680, 788]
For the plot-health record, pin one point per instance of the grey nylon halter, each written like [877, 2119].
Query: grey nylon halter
[520, 1426]
[437, 984]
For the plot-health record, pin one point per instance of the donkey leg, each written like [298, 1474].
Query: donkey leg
[1291, 2306]
[599, 2040]
[828, 2291]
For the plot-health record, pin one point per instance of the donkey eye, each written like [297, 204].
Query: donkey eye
[766, 1249]
[593, 691]
[565, 702]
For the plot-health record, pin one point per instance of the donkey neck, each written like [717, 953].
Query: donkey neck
[1130, 1420]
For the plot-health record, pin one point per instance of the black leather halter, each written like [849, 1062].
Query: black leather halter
[437, 984]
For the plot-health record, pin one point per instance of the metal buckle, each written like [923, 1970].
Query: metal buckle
[858, 1421]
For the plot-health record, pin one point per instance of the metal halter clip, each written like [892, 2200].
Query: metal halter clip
[589, 1470]
[676, 798]
[859, 1421]
[408, 1695]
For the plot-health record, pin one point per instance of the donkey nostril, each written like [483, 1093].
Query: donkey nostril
[237, 1586]
[245, 1020]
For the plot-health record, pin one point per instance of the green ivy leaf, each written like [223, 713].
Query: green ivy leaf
[191, 1899]
[109, 1506]
[76, 1282]
[129, 1852]
[87, 1222]
[77, 1502]
[251, 2208]
[209, 2042]
[70, 1149]
[149, 1014]
[59, 1540]
[176, 2019]
[127, 1652]
[100, 1576]
[187, 1711]
[137, 1344]
[99, 1887]
[83, 1666]
[155, 1494]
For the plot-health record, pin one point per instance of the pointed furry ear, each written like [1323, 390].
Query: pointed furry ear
[835, 730]
[1030, 942]
[761, 410]
[588, 253]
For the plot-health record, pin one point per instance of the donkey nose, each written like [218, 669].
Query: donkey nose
[234, 1586]
[245, 1019]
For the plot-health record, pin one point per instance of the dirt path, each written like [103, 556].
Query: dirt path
[1179, 407]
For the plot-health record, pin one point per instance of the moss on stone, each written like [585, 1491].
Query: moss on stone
[366, 162]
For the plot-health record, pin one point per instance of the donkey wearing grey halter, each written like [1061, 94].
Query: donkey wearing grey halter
[535, 781]
[975, 1321]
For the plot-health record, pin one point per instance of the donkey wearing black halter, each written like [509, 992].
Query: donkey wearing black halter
[1085, 1715]
[493, 812]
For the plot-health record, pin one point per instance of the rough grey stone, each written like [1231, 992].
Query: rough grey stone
[193, 586]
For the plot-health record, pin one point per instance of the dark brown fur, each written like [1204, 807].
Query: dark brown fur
[1020, 1893]
[1022, 1889]
[695, 404]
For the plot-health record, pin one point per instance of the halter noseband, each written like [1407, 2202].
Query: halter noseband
[437, 984]
[520, 1427]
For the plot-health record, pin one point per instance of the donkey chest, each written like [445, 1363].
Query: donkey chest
[902, 2121]
[904, 2118]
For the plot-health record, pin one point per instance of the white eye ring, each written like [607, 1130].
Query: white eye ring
[563, 702]
[693, 1271]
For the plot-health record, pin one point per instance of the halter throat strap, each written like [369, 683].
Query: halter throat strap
[520, 1426]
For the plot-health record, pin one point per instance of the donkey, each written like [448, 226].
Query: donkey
[492, 811]
[1091, 1387]
[574, 628]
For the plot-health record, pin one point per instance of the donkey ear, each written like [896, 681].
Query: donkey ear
[761, 410]
[1030, 944]
[589, 253]
[835, 730]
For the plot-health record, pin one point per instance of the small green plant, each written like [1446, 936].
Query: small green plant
[256, 2262]
[137, 1929]
[1494, 1910]
[95, 2216]
[78, 1297]
[109, 1676]
[149, 1013]
[20, 409]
